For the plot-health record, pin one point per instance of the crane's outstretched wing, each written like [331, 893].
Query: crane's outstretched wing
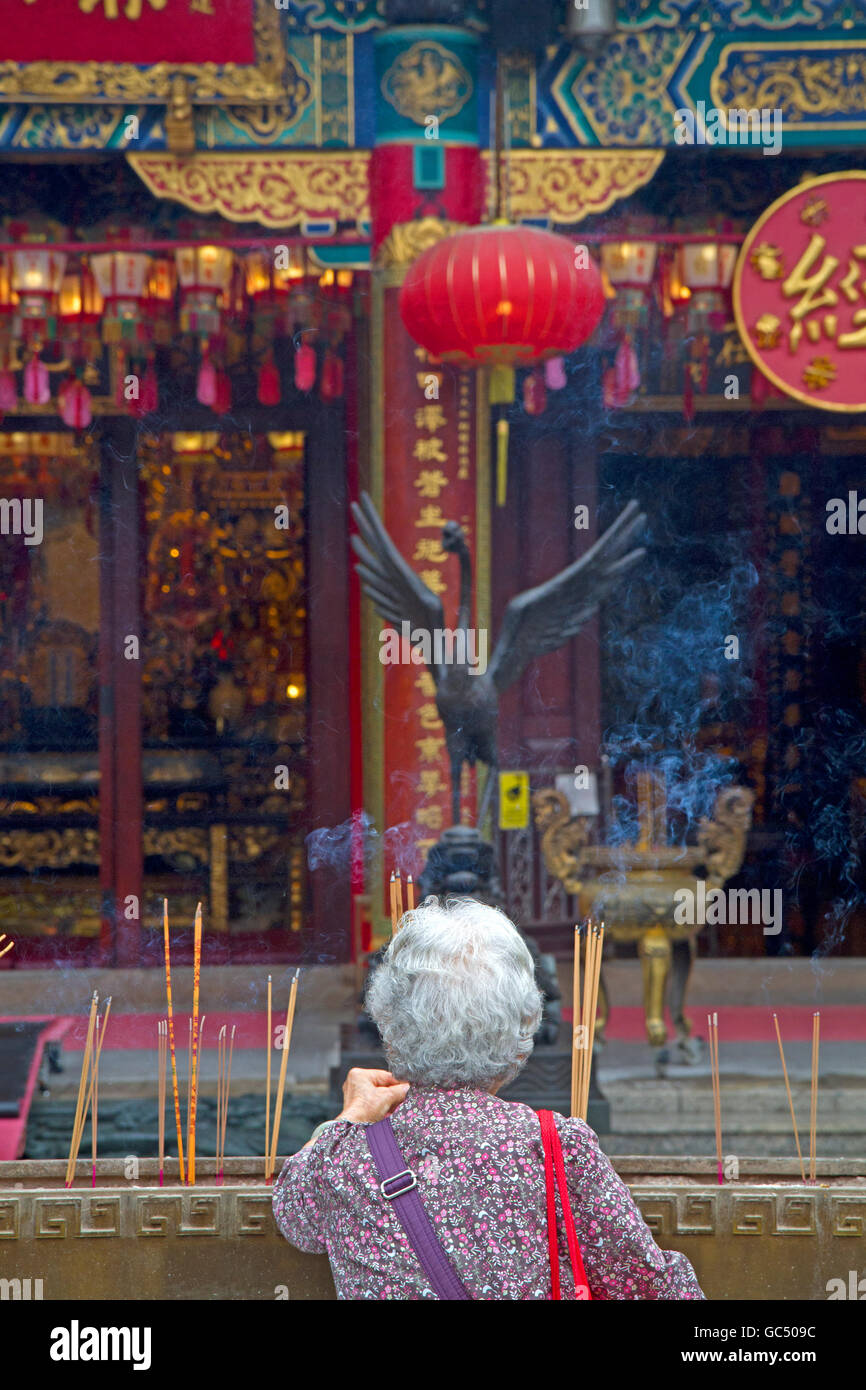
[542, 619]
[394, 588]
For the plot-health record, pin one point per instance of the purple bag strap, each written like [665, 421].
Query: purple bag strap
[398, 1186]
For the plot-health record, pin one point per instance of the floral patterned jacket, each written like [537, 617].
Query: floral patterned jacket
[480, 1169]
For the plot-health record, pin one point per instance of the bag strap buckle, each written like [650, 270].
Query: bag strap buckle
[398, 1191]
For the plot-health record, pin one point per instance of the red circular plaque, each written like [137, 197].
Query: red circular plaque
[800, 292]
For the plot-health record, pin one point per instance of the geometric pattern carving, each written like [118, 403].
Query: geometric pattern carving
[679, 1214]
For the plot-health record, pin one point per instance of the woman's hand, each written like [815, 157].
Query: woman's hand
[370, 1095]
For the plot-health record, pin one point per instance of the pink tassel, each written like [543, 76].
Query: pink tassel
[305, 367]
[223, 399]
[37, 391]
[535, 393]
[8, 391]
[76, 406]
[331, 386]
[268, 391]
[554, 373]
[206, 386]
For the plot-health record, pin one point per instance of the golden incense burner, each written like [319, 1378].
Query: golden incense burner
[632, 887]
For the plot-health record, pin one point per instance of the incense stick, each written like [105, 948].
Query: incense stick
[85, 1062]
[171, 1039]
[410, 892]
[226, 1089]
[162, 1043]
[94, 1088]
[268, 1084]
[393, 890]
[188, 1080]
[717, 1088]
[221, 1052]
[790, 1098]
[398, 897]
[575, 1025]
[598, 947]
[5, 948]
[196, 980]
[281, 1086]
[813, 1115]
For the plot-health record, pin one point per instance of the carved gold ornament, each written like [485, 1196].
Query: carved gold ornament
[406, 240]
[568, 185]
[275, 189]
[427, 80]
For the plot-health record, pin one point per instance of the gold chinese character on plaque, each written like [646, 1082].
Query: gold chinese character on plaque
[428, 716]
[429, 451]
[132, 9]
[425, 684]
[767, 261]
[815, 212]
[430, 518]
[428, 548]
[767, 331]
[819, 373]
[811, 284]
[434, 581]
[429, 749]
[430, 782]
[430, 417]
[431, 816]
[430, 482]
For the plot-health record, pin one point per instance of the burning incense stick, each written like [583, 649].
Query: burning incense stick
[575, 1026]
[268, 1083]
[225, 1098]
[394, 919]
[598, 948]
[790, 1098]
[85, 1063]
[813, 1114]
[94, 1088]
[196, 980]
[188, 1080]
[221, 1053]
[171, 1039]
[281, 1086]
[162, 1044]
[410, 892]
[713, 1023]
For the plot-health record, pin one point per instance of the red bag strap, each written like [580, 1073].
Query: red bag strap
[546, 1117]
[554, 1166]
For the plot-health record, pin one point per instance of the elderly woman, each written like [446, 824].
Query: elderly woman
[457, 1007]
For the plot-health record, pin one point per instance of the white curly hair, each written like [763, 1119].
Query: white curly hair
[455, 997]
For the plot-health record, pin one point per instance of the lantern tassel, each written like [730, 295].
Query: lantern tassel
[502, 431]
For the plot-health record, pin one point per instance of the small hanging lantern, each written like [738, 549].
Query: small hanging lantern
[269, 279]
[36, 277]
[205, 274]
[629, 267]
[706, 270]
[158, 302]
[122, 277]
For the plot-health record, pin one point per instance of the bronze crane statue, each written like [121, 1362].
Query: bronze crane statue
[537, 621]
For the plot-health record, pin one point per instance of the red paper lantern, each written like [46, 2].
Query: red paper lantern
[502, 294]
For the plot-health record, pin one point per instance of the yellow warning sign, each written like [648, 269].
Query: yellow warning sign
[513, 800]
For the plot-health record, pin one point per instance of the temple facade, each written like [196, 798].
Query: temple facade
[209, 208]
